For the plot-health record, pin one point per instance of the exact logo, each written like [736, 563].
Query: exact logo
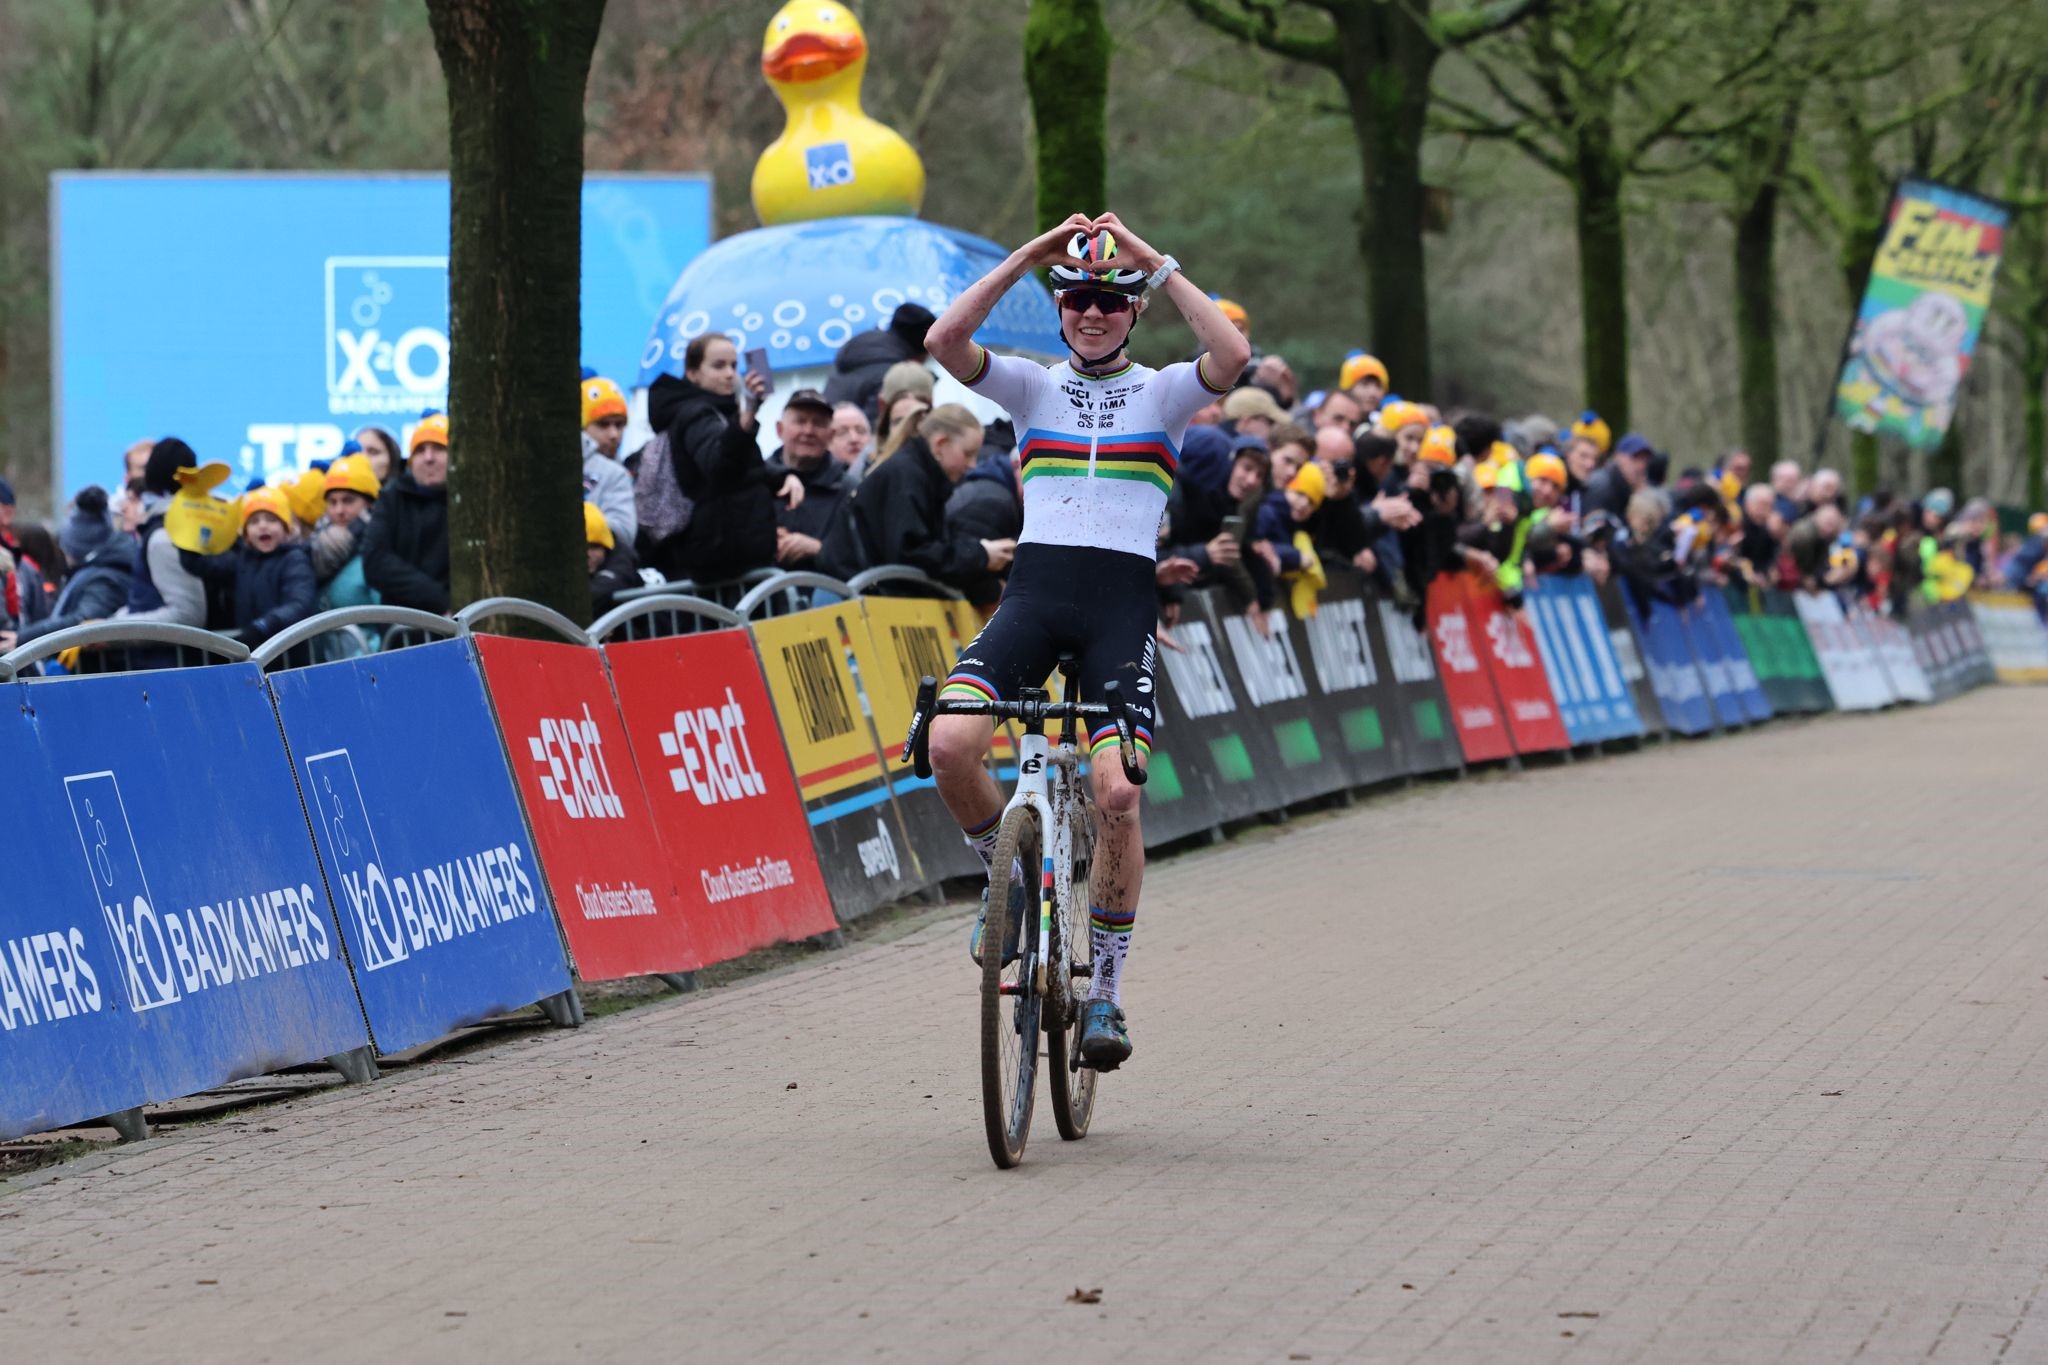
[1454, 642]
[141, 944]
[828, 164]
[387, 333]
[572, 753]
[714, 761]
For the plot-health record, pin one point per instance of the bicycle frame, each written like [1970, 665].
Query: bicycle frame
[1045, 776]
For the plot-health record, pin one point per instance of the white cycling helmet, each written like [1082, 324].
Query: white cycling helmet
[1085, 251]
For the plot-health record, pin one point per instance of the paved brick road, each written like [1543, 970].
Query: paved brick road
[1753, 1073]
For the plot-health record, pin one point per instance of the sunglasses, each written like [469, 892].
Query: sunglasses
[1103, 300]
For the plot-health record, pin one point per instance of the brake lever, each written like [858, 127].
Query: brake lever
[917, 748]
[1127, 740]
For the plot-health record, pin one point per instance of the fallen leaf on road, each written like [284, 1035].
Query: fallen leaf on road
[790, 1086]
[1826, 1093]
[1578, 1315]
[1081, 1295]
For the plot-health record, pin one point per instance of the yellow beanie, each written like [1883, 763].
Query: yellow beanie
[432, 428]
[1548, 467]
[596, 530]
[1393, 416]
[1358, 365]
[1310, 483]
[1593, 429]
[267, 499]
[601, 398]
[1440, 446]
[352, 474]
[307, 495]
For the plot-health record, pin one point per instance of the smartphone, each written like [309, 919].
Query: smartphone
[1233, 526]
[757, 363]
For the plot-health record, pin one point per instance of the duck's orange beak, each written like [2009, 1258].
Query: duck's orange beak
[812, 56]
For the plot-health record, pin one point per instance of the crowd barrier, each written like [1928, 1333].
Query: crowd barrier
[244, 865]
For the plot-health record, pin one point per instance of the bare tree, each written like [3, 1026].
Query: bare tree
[1382, 55]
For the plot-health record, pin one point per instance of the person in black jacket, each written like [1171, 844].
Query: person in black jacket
[898, 514]
[988, 504]
[805, 430]
[405, 551]
[858, 369]
[102, 563]
[272, 574]
[714, 457]
[1615, 482]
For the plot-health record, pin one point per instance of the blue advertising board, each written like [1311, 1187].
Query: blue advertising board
[1718, 623]
[1674, 674]
[267, 317]
[1586, 679]
[441, 899]
[1712, 660]
[164, 929]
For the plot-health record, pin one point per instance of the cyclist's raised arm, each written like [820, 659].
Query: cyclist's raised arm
[1228, 351]
[951, 339]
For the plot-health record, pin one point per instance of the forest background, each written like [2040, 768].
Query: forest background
[1233, 140]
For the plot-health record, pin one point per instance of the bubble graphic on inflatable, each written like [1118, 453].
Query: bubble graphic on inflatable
[834, 333]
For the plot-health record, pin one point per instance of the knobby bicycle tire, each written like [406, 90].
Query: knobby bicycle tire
[1073, 1090]
[1009, 1023]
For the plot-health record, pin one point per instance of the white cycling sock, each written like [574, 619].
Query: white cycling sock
[1109, 936]
[983, 840]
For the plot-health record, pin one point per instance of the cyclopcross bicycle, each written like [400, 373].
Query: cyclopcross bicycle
[1042, 857]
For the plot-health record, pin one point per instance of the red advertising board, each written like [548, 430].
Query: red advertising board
[591, 826]
[720, 787]
[1531, 707]
[1475, 710]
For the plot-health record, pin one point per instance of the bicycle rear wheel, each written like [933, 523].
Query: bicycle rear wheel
[1009, 1004]
[1073, 1089]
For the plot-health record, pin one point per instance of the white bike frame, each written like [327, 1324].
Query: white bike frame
[1045, 775]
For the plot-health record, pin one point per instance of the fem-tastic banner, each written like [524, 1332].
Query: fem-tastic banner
[1930, 285]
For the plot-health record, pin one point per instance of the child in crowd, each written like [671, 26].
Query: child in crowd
[336, 545]
[272, 576]
[612, 566]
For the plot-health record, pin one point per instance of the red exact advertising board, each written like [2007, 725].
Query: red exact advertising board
[1518, 676]
[719, 784]
[1475, 711]
[613, 891]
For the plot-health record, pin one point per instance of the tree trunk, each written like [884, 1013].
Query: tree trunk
[1385, 59]
[1756, 324]
[2034, 375]
[1603, 278]
[516, 71]
[1859, 253]
[1066, 68]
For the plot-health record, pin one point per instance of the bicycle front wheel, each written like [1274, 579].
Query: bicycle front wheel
[1009, 1002]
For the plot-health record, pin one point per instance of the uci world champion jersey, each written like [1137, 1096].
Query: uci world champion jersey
[1097, 452]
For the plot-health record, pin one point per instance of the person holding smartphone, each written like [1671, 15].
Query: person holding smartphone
[725, 524]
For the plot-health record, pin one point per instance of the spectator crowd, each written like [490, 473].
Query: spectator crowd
[1274, 485]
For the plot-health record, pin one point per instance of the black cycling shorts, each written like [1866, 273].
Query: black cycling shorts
[1098, 605]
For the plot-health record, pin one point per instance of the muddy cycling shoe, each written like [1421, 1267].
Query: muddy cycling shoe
[1105, 1045]
[1019, 900]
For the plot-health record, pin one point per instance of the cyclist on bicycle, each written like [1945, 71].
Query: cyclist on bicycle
[1098, 442]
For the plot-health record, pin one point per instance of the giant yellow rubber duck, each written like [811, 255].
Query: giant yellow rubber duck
[832, 160]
